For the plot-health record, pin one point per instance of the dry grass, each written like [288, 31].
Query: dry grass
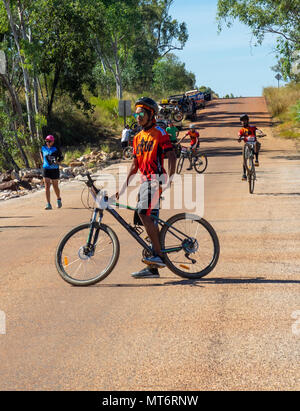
[284, 106]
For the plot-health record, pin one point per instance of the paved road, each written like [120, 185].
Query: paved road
[232, 330]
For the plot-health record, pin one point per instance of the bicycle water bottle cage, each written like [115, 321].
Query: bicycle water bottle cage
[138, 229]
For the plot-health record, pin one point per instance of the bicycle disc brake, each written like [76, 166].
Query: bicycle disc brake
[84, 253]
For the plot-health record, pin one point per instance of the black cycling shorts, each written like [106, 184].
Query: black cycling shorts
[52, 173]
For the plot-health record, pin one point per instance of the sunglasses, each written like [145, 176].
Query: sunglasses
[136, 115]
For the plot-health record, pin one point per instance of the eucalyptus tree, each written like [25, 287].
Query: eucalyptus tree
[17, 18]
[130, 35]
[279, 17]
[170, 75]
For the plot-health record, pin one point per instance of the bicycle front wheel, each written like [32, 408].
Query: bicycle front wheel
[179, 164]
[251, 179]
[200, 163]
[190, 244]
[81, 264]
[247, 156]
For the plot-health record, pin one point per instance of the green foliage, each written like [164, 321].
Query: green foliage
[280, 17]
[68, 57]
[170, 74]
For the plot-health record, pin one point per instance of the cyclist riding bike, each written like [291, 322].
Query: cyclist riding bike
[194, 143]
[150, 146]
[248, 134]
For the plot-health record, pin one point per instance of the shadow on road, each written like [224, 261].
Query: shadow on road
[257, 280]
[18, 216]
[22, 226]
[286, 157]
[277, 194]
[201, 282]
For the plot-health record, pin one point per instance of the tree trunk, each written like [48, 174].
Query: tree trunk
[6, 154]
[14, 127]
[29, 106]
[14, 98]
[54, 86]
[25, 159]
[117, 74]
[115, 71]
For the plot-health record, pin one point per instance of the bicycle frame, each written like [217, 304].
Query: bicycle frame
[104, 205]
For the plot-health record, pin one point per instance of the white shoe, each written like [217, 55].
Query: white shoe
[156, 261]
[147, 272]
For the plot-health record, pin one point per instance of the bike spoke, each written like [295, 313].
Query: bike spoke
[86, 266]
[192, 261]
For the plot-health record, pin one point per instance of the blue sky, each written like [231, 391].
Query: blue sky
[227, 62]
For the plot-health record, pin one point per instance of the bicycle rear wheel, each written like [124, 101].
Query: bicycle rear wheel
[179, 164]
[83, 265]
[192, 244]
[128, 153]
[200, 163]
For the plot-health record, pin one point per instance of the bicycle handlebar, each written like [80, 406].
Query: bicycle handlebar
[90, 182]
[258, 135]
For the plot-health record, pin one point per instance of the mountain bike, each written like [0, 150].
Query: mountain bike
[248, 160]
[89, 252]
[199, 160]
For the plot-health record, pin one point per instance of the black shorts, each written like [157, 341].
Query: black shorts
[52, 173]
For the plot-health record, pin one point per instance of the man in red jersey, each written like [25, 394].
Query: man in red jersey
[248, 134]
[150, 146]
[194, 143]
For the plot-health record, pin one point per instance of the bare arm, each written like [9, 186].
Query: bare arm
[182, 138]
[171, 156]
[132, 171]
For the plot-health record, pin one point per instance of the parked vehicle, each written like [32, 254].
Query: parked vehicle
[198, 96]
[207, 96]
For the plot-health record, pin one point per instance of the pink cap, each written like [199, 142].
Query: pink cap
[49, 138]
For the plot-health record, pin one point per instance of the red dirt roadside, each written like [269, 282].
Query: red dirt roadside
[235, 329]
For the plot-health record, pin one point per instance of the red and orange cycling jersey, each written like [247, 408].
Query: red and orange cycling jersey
[248, 133]
[149, 148]
[194, 136]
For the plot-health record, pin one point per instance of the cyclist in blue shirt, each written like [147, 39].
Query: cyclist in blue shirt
[51, 156]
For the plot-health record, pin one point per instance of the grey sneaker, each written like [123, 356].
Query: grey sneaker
[147, 272]
[48, 207]
[156, 261]
[59, 203]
